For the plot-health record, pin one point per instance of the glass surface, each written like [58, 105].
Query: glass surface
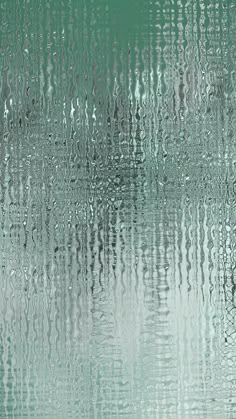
[117, 209]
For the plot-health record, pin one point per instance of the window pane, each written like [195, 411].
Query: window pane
[117, 209]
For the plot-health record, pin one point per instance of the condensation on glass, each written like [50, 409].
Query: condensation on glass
[117, 209]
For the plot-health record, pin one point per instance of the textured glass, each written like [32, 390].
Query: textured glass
[118, 209]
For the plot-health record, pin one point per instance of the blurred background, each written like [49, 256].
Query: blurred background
[117, 209]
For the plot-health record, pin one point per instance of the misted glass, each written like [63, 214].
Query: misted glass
[118, 209]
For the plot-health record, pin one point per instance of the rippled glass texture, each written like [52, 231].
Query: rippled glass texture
[118, 209]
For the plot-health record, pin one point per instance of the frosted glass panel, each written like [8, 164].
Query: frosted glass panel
[117, 209]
